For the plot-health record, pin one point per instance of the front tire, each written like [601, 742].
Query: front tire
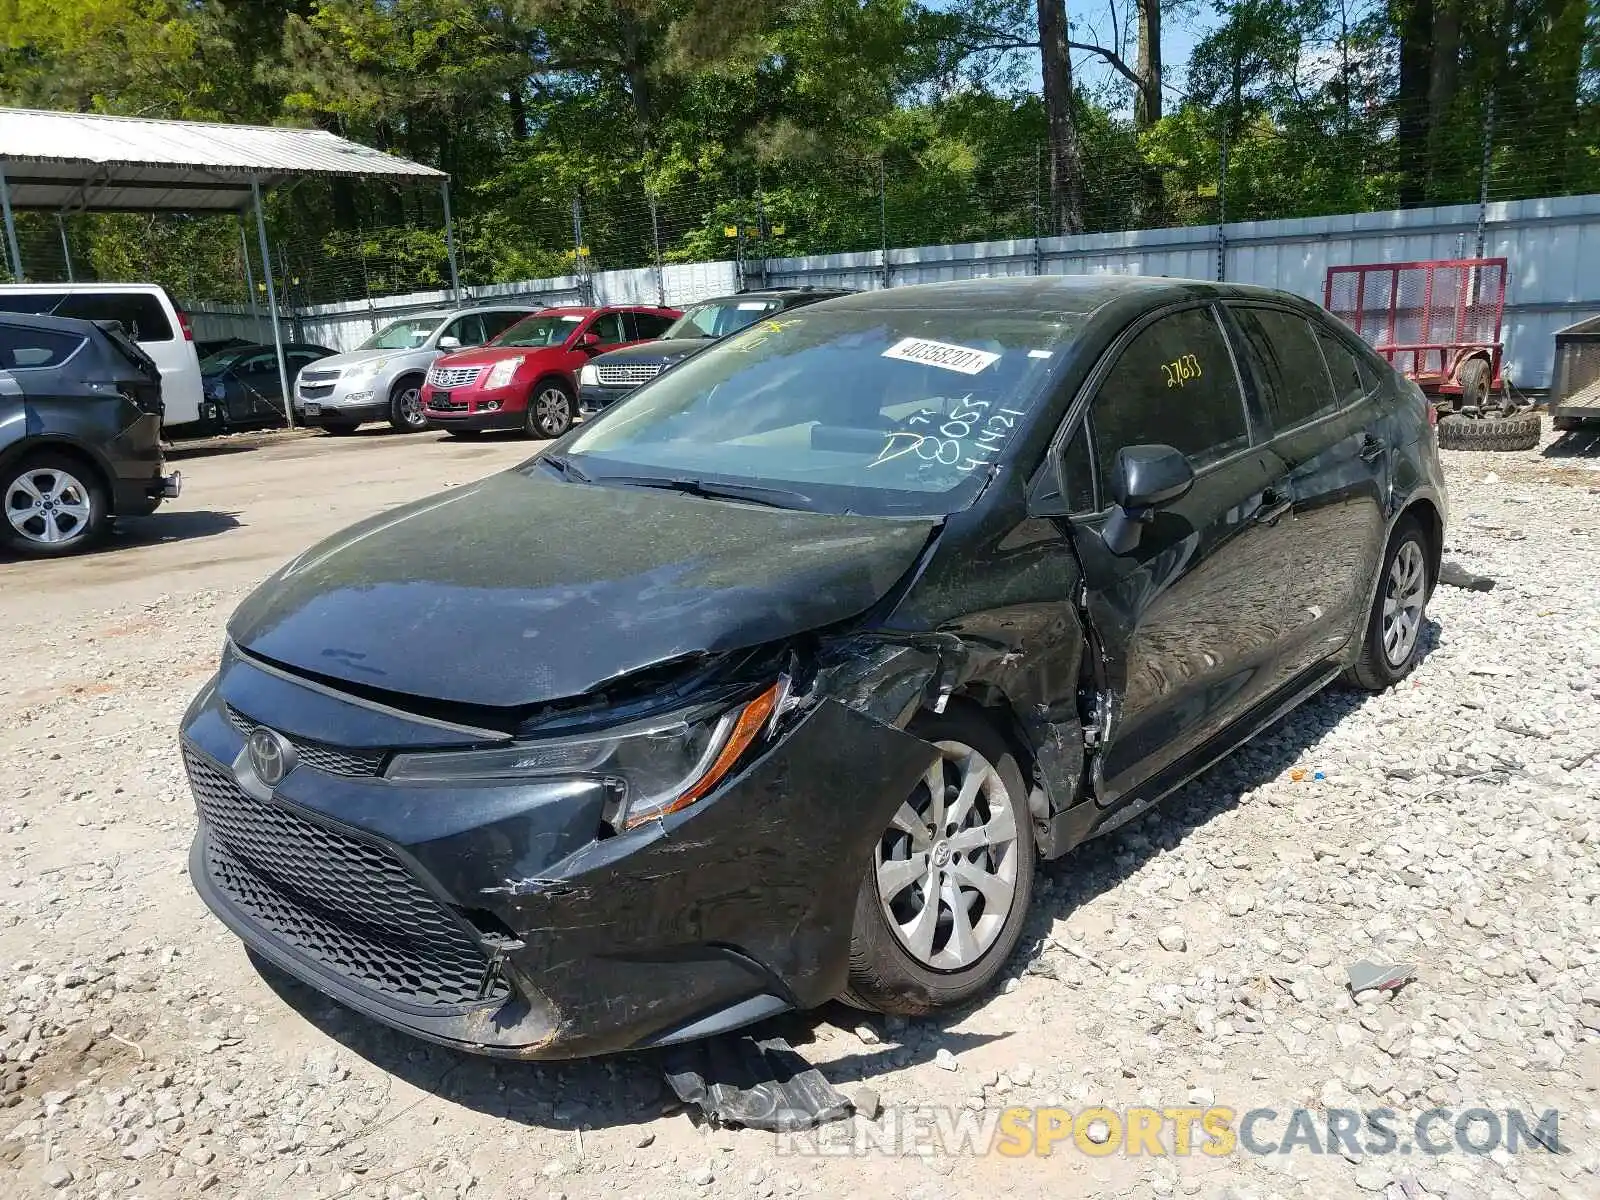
[947, 886]
[405, 406]
[1392, 643]
[53, 505]
[550, 409]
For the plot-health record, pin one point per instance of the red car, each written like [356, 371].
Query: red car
[527, 378]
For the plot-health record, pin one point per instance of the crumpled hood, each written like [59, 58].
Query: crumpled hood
[523, 588]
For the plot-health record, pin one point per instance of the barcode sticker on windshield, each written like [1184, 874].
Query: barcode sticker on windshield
[753, 306]
[941, 354]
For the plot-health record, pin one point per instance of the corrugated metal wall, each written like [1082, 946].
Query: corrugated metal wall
[1553, 247]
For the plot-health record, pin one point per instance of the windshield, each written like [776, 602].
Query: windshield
[215, 364]
[403, 335]
[719, 318]
[541, 331]
[893, 411]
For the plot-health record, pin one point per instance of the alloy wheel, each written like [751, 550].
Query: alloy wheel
[946, 867]
[1403, 597]
[552, 411]
[409, 406]
[48, 505]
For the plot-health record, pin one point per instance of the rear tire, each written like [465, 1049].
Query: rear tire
[52, 504]
[1473, 376]
[1400, 608]
[550, 409]
[1520, 432]
[904, 959]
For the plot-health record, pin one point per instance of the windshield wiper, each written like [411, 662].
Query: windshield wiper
[749, 492]
[565, 466]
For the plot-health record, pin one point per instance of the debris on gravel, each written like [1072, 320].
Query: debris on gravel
[1195, 957]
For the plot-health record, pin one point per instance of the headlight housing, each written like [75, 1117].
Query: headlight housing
[500, 374]
[364, 371]
[589, 376]
[651, 767]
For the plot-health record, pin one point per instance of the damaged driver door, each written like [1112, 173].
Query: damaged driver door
[1180, 594]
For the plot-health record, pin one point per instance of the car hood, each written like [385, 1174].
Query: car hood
[523, 588]
[661, 350]
[351, 357]
[484, 356]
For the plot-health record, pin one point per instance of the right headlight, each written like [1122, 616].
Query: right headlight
[652, 767]
[589, 376]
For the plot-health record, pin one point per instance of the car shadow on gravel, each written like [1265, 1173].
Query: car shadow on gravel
[133, 533]
[1578, 443]
[629, 1089]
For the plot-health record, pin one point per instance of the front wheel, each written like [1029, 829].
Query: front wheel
[405, 407]
[53, 505]
[1392, 643]
[946, 890]
[549, 410]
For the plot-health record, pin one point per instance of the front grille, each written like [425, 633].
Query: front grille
[626, 374]
[312, 375]
[328, 759]
[350, 906]
[453, 377]
[316, 391]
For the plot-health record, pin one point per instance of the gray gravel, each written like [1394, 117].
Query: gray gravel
[1198, 956]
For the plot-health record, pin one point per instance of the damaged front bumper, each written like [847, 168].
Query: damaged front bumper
[496, 917]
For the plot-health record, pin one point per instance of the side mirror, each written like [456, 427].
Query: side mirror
[1143, 479]
[589, 341]
[449, 343]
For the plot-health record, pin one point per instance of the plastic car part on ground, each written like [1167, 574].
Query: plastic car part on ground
[1453, 574]
[754, 1083]
[1364, 976]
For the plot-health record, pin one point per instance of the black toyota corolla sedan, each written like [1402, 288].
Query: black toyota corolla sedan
[774, 684]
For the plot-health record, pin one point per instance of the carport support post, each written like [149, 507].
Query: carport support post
[11, 227]
[450, 240]
[272, 300]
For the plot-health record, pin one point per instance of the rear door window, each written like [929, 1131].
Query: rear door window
[35, 303]
[496, 323]
[1282, 351]
[1173, 384]
[650, 325]
[23, 348]
[1352, 378]
[140, 313]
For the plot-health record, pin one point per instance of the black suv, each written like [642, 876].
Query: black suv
[80, 432]
[775, 683]
[607, 378]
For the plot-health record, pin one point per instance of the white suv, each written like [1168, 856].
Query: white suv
[148, 316]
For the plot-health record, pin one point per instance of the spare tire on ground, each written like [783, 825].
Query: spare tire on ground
[1518, 432]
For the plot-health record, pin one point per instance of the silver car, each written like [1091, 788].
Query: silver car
[381, 380]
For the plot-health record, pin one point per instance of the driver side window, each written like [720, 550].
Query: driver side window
[608, 327]
[467, 330]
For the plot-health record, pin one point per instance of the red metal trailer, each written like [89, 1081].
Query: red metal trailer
[1438, 322]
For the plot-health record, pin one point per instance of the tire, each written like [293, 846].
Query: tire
[339, 430]
[1473, 376]
[405, 405]
[53, 504]
[550, 409]
[1520, 432]
[1380, 668]
[886, 975]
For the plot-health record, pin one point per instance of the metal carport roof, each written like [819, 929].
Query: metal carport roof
[84, 162]
[88, 162]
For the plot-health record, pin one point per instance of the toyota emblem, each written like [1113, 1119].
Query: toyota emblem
[271, 755]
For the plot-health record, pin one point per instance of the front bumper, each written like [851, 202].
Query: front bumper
[593, 398]
[402, 901]
[470, 407]
[339, 414]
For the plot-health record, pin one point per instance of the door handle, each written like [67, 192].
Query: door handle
[1371, 447]
[1274, 503]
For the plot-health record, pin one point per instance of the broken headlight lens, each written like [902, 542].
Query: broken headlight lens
[653, 767]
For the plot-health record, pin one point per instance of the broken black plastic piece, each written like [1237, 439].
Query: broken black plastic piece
[740, 1080]
[1455, 575]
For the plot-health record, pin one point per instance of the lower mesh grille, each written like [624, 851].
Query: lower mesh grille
[347, 905]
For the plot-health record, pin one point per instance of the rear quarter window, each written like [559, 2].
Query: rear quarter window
[23, 348]
[140, 313]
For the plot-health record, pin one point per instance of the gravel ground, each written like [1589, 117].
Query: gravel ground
[1195, 957]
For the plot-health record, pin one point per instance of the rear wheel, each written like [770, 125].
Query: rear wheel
[946, 889]
[53, 505]
[1520, 432]
[1393, 640]
[550, 410]
[405, 406]
[1473, 376]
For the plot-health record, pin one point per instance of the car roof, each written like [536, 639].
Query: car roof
[1080, 294]
[82, 287]
[45, 321]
